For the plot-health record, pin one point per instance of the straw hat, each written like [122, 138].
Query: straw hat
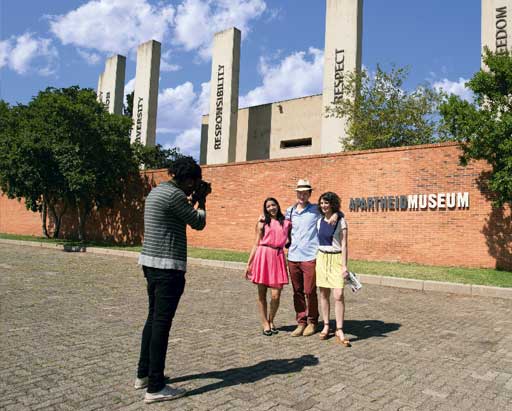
[303, 185]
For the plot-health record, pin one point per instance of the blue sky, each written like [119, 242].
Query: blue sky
[61, 43]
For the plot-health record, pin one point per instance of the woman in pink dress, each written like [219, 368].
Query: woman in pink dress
[266, 266]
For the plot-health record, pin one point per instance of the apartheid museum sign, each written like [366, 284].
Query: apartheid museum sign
[437, 201]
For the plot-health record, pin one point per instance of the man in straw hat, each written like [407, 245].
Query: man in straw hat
[302, 258]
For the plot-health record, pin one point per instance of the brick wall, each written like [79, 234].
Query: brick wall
[476, 237]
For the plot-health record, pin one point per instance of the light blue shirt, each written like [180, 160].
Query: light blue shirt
[304, 244]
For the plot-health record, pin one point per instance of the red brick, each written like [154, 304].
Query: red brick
[476, 237]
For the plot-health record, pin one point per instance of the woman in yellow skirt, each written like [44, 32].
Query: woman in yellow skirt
[331, 264]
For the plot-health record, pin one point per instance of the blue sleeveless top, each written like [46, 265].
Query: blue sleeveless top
[329, 236]
[326, 232]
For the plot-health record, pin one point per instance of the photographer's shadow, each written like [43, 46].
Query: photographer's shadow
[250, 374]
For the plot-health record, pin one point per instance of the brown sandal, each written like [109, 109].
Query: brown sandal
[344, 342]
[324, 336]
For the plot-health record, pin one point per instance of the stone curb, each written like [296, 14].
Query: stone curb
[397, 282]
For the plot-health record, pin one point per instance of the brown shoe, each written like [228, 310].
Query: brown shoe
[343, 341]
[309, 330]
[298, 331]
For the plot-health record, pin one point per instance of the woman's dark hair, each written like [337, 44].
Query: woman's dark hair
[333, 200]
[185, 167]
[279, 216]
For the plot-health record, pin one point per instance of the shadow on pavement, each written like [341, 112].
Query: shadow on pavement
[245, 375]
[368, 329]
[361, 329]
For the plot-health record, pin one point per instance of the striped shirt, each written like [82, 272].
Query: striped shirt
[166, 215]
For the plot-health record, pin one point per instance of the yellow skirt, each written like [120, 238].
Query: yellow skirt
[328, 270]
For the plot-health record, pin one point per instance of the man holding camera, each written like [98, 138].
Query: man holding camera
[168, 210]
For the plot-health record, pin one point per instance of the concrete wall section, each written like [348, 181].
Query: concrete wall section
[222, 126]
[283, 129]
[296, 127]
[145, 99]
[342, 54]
[497, 24]
[111, 84]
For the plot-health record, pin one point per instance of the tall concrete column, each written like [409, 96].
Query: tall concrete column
[111, 84]
[145, 99]
[497, 25]
[342, 54]
[222, 120]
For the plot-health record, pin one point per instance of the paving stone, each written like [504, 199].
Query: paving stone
[72, 325]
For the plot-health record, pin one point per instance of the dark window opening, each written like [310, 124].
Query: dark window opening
[299, 142]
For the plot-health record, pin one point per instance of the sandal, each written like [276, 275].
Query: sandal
[344, 342]
[324, 336]
[267, 333]
[273, 328]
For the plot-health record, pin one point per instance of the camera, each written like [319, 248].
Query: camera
[202, 189]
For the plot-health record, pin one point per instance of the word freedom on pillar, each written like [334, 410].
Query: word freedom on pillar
[219, 106]
[339, 69]
[501, 29]
[411, 202]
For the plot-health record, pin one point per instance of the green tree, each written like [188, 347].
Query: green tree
[87, 147]
[484, 126]
[154, 157]
[27, 168]
[380, 113]
[128, 109]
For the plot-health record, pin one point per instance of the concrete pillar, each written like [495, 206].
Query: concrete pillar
[111, 84]
[497, 25]
[342, 54]
[145, 99]
[222, 120]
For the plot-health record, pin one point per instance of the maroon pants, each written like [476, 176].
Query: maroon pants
[305, 300]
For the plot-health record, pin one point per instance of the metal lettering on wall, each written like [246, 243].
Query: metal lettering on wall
[411, 202]
[219, 107]
[339, 69]
[139, 118]
[501, 29]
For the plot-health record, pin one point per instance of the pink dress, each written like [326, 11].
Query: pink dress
[268, 266]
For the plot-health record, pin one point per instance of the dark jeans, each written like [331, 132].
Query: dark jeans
[164, 291]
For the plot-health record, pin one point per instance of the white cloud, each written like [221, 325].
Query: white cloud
[5, 50]
[177, 105]
[299, 74]
[455, 87]
[27, 53]
[179, 117]
[180, 108]
[113, 26]
[198, 20]
[188, 142]
[90, 58]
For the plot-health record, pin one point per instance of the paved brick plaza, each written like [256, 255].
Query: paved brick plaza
[70, 325]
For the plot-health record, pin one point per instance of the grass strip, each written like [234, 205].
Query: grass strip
[479, 276]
